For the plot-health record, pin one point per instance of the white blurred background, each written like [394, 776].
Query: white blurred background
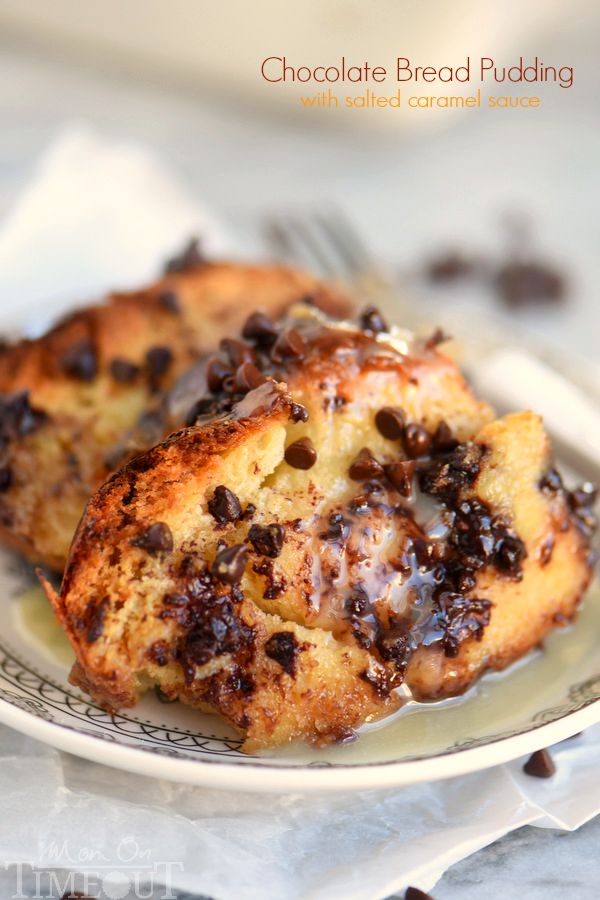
[182, 78]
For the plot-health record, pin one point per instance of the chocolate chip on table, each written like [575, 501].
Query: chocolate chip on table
[289, 345]
[259, 327]
[6, 479]
[155, 539]
[450, 267]
[390, 422]
[224, 506]
[80, 360]
[189, 258]
[283, 648]
[158, 360]
[416, 440]
[413, 893]
[230, 563]
[400, 474]
[365, 466]
[124, 371]
[247, 377]
[520, 282]
[301, 454]
[540, 764]
[372, 320]
[267, 539]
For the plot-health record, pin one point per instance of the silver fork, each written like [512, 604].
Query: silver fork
[326, 241]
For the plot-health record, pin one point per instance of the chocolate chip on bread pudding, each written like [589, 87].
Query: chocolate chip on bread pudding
[74, 403]
[341, 525]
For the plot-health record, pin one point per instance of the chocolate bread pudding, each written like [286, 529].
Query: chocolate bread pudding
[340, 524]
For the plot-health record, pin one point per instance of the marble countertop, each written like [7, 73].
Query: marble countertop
[240, 164]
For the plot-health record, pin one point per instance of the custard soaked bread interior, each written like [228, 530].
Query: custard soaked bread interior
[344, 524]
[77, 402]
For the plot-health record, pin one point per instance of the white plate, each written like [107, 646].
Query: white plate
[540, 701]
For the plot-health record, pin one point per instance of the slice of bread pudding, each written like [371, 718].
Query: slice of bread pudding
[344, 524]
[83, 398]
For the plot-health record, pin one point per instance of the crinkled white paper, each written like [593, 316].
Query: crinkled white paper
[96, 215]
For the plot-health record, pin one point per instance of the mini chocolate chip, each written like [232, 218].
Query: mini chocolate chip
[551, 481]
[416, 440]
[540, 764]
[443, 439]
[365, 466]
[400, 474]
[390, 422]
[124, 371]
[224, 506]
[283, 648]
[289, 345]
[267, 539]
[189, 258]
[247, 377]
[216, 372]
[372, 320]
[509, 555]
[583, 497]
[336, 528]
[298, 413]
[230, 563]
[158, 360]
[237, 352]
[301, 454]
[249, 511]
[437, 337]
[413, 893]
[259, 327]
[80, 361]
[6, 479]
[169, 301]
[155, 539]
[96, 623]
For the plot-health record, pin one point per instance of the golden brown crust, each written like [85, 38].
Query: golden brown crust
[95, 374]
[345, 575]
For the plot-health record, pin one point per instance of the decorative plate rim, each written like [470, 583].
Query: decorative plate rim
[580, 709]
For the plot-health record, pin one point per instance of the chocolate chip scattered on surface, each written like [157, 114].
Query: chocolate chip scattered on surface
[540, 765]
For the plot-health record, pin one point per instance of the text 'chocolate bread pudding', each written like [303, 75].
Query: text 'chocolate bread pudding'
[341, 524]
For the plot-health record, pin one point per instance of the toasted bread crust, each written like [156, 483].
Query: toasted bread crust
[95, 374]
[301, 605]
